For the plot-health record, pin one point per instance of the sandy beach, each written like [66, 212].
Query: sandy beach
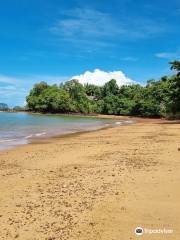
[98, 185]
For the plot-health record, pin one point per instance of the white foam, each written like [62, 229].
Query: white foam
[40, 134]
[8, 140]
[29, 136]
[119, 123]
[129, 121]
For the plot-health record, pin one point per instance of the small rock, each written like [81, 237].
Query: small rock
[91, 224]
[123, 208]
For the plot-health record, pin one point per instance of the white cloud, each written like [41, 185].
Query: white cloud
[130, 59]
[90, 27]
[8, 79]
[168, 55]
[86, 23]
[99, 77]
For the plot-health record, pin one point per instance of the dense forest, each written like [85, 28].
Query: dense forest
[156, 99]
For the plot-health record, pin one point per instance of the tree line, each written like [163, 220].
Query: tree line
[6, 108]
[156, 99]
[3, 107]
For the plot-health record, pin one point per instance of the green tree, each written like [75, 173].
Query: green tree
[175, 65]
[93, 91]
[80, 101]
[157, 98]
[110, 88]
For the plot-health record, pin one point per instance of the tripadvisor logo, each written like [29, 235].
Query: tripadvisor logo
[139, 231]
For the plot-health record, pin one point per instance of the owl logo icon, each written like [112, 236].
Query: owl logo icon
[139, 231]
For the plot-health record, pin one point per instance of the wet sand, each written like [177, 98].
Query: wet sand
[97, 185]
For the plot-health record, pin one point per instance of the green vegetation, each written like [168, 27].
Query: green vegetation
[156, 99]
[176, 66]
[19, 109]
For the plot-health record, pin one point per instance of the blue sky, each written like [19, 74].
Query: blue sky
[53, 40]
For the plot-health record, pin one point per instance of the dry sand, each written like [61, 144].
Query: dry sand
[94, 186]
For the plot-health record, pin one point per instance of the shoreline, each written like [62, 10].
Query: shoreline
[88, 185]
[46, 138]
[49, 138]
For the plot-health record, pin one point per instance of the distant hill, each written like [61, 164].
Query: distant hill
[3, 106]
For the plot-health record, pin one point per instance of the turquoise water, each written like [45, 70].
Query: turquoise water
[21, 128]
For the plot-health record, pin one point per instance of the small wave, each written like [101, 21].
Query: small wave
[8, 140]
[129, 121]
[119, 123]
[40, 134]
[29, 136]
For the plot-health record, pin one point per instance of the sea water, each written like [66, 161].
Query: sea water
[22, 128]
